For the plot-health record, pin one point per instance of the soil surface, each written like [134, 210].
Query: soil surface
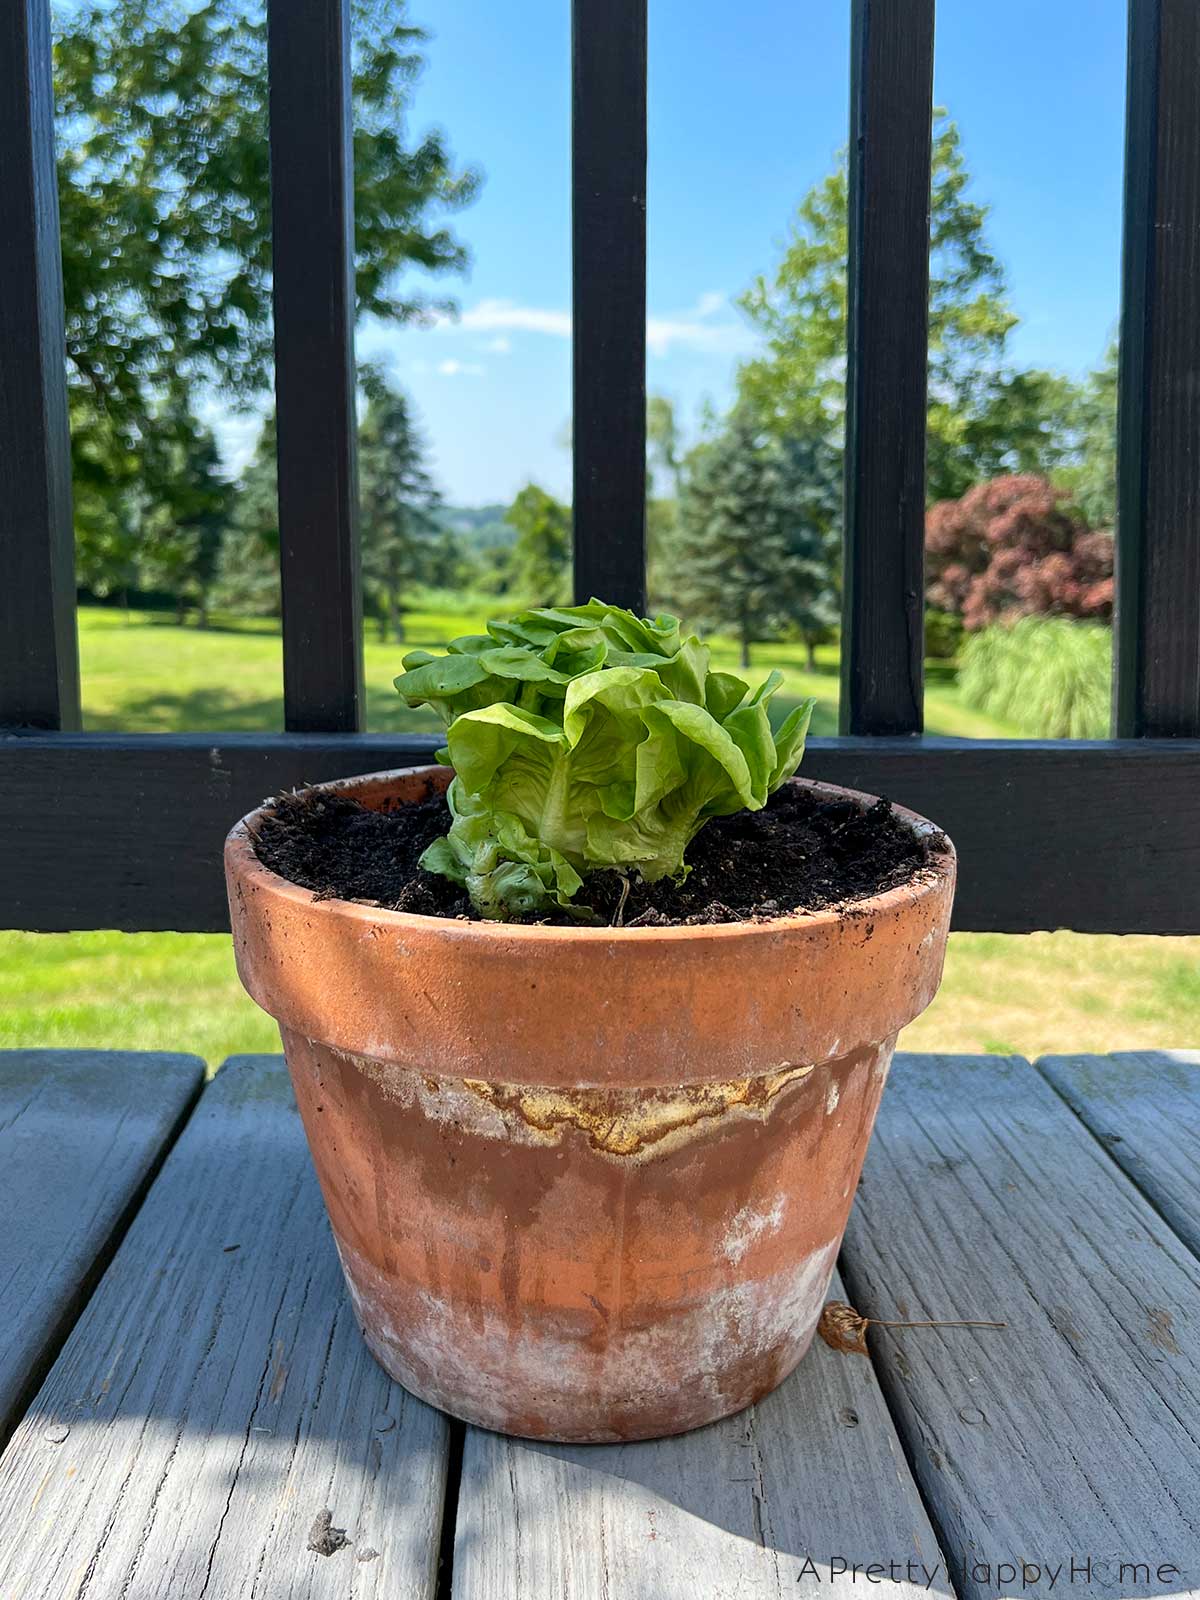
[803, 852]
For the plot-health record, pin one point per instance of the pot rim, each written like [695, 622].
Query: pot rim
[930, 879]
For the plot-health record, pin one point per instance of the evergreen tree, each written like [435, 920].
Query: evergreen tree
[758, 548]
[247, 577]
[182, 532]
[398, 504]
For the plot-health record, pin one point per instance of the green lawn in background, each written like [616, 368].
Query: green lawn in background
[144, 674]
[170, 991]
[1031, 994]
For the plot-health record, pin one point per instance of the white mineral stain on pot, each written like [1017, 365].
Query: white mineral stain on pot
[485, 1374]
[832, 1095]
[749, 1226]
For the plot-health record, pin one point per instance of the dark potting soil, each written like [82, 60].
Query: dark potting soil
[802, 852]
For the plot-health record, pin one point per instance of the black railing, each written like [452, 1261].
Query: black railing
[124, 831]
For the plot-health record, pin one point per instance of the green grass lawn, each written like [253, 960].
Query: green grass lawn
[1031, 994]
[1041, 992]
[143, 674]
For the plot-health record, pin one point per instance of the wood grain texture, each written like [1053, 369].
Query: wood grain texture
[1144, 1107]
[312, 215]
[159, 806]
[1075, 1430]
[814, 1474]
[215, 1397]
[39, 659]
[1158, 466]
[81, 1132]
[608, 246]
[887, 323]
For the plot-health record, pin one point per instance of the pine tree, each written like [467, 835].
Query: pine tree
[183, 529]
[247, 577]
[398, 504]
[758, 546]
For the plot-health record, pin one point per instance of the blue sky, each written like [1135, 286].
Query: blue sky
[748, 108]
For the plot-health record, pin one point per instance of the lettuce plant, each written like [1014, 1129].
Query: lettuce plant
[586, 738]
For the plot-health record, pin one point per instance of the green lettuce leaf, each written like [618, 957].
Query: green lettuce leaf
[584, 737]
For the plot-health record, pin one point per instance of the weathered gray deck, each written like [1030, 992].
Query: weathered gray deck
[211, 1397]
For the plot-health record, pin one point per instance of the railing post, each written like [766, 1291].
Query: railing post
[608, 229]
[39, 658]
[1158, 435]
[887, 325]
[312, 203]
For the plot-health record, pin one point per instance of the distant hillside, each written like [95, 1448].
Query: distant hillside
[477, 528]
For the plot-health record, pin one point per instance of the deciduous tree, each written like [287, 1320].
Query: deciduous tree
[541, 556]
[1015, 547]
[166, 221]
[983, 417]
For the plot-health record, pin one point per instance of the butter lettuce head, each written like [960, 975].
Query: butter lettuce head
[587, 737]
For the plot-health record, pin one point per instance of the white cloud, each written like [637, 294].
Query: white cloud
[500, 345]
[460, 369]
[506, 314]
[700, 327]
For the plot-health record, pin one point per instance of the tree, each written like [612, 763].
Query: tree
[247, 576]
[1012, 548]
[397, 501]
[982, 417]
[664, 467]
[401, 539]
[758, 546]
[165, 205]
[182, 533]
[1092, 480]
[106, 503]
[663, 447]
[541, 556]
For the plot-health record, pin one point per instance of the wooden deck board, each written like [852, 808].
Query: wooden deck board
[215, 1397]
[1076, 1430]
[1144, 1107]
[80, 1133]
[761, 1504]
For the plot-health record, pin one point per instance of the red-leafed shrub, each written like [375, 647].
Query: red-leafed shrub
[1012, 547]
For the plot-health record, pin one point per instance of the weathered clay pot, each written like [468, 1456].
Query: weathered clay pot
[586, 1183]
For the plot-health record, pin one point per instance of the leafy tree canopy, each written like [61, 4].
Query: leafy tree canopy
[1092, 479]
[540, 563]
[983, 418]
[1015, 547]
[164, 197]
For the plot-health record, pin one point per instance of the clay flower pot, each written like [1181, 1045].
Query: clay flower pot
[586, 1183]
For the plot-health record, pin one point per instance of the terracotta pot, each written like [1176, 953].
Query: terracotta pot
[586, 1183]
